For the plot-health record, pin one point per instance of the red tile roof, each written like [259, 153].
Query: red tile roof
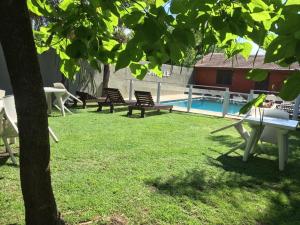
[219, 60]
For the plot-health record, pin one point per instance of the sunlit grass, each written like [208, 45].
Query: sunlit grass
[163, 169]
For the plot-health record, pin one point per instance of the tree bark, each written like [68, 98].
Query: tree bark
[22, 63]
[106, 74]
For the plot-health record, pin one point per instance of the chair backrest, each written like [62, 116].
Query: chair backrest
[2, 93]
[85, 96]
[10, 111]
[113, 95]
[144, 98]
[10, 108]
[59, 85]
[1, 116]
[269, 133]
[62, 86]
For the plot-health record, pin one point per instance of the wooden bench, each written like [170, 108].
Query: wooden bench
[145, 102]
[87, 98]
[114, 98]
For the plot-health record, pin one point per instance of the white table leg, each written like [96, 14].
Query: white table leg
[49, 102]
[52, 135]
[282, 147]
[9, 150]
[252, 141]
[61, 105]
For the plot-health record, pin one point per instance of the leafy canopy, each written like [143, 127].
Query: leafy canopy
[83, 30]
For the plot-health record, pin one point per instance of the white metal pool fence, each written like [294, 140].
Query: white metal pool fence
[167, 91]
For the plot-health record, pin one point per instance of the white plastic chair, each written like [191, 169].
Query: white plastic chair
[2, 93]
[269, 134]
[65, 97]
[240, 129]
[10, 129]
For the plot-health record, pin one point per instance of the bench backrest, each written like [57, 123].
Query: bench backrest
[113, 95]
[144, 98]
[85, 96]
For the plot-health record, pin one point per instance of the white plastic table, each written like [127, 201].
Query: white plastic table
[282, 127]
[58, 93]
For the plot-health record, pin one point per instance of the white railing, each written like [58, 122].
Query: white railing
[192, 89]
[225, 102]
[158, 92]
[296, 108]
[190, 99]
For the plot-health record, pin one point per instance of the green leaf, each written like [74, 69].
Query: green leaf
[178, 6]
[83, 33]
[77, 49]
[33, 8]
[131, 20]
[123, 60]
[260, 16]
[69, 68]
[94, 63]
[255, 102]
[246, 49]
[257, 75]
[297, 34]
[159, 3]
[292, 2]
[291, 88]
[280, 48]
[65, 4]
[138, 70]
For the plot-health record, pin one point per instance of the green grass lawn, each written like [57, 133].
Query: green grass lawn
[163, 169]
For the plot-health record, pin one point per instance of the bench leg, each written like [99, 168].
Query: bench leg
[99, 108]
[129, 112]
[170, 110]
[9, 150]
[111, 109]
[142, 113]
[83, 104]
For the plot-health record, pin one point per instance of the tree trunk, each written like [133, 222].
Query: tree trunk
[106, 74]
[21, 58]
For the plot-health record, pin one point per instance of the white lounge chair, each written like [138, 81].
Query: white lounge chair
[2, 93]
[240, 129]
[9, 124]
[65, 97]
[268, 135]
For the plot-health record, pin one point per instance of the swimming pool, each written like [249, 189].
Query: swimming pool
[209, 105]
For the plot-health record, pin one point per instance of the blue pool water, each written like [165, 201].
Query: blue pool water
[209, 105]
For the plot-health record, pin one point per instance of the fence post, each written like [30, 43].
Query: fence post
[296, 108]
[130, 89]
[158, 92]
[225, 102]
[251, 96]
[189, 106]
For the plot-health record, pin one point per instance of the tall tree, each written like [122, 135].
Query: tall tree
[20, 54]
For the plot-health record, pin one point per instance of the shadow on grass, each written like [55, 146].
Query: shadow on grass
[107, 110]
[281, 192]
[261, 148]
[5, 159]
[260, 176]
[137, 114]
